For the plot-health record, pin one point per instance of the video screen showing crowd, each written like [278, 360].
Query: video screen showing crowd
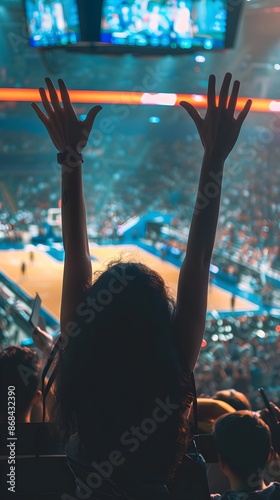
[165, 23]
[52, 22]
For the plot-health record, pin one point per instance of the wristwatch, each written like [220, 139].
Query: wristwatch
[67, 155]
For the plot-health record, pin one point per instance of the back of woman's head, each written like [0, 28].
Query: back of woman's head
[119, 376]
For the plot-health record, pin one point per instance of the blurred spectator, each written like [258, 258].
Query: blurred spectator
[208, 412]
[20, 367]
[242, 354]
[243, 443]
[234, 398]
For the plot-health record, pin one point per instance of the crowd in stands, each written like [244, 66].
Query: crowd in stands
[21, 143]
[163, 178]
[243, 354]
[15, 311]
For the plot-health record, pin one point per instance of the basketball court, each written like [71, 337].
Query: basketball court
[44, 275]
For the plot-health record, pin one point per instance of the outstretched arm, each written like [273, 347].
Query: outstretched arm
[218, 131]
[70, 135]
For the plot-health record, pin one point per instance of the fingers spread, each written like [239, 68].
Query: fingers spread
[93, 112]
[46, 121]
[58, 111]
[242, 115]
[233, 97]
[65, 98]
[40, 113]
[53, 95]
[224, 91]
[211, 94]
[45, 101]
[194, 114]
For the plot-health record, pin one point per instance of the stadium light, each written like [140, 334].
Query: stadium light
[134, 98]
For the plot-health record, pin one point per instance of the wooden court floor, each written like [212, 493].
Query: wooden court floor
[44, 275]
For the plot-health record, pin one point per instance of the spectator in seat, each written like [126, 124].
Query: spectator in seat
[127, 352]
[243, 442]
[208, 411]
[272, 419]
[20, 367]
[234, 398]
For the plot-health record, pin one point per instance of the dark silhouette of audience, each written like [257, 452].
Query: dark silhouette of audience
[243, 442]
[234, 398]
[21, 368]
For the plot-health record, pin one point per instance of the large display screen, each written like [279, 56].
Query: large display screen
[52, 23]
[176, 24]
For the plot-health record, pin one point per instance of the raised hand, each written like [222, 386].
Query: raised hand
[219, 129]
[69, 135]
[66, 131]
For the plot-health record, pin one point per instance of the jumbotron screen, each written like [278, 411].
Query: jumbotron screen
[165, 23]
[52, 23]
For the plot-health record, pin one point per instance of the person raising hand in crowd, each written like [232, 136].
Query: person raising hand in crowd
[127, 349]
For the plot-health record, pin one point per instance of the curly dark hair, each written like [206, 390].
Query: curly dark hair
[121, 369]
